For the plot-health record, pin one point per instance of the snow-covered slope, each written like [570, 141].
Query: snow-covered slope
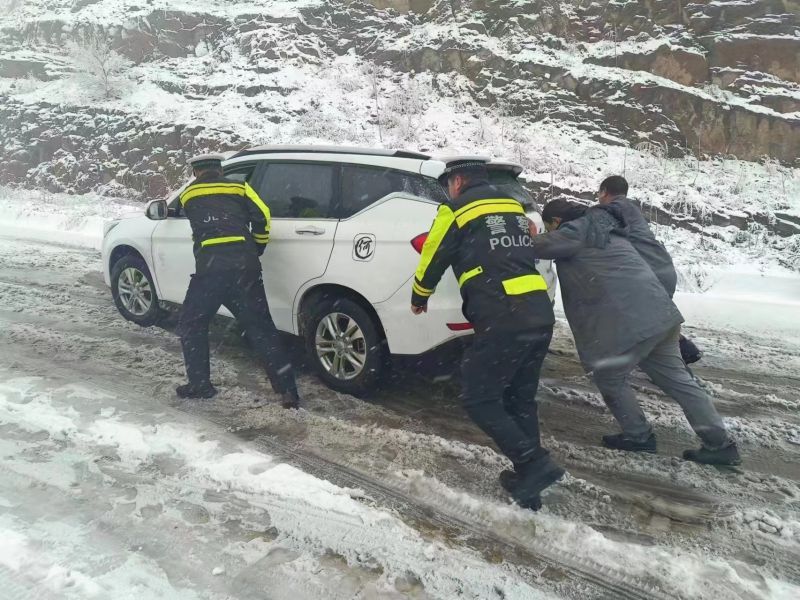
[574, 91]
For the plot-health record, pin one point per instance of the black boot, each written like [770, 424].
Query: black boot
[690, 353]
[204, 390]
[618, 441]
[290, 400]
[724, 456]
[534, 477]
[509, 479]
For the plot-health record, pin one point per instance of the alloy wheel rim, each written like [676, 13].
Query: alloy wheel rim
[341, 346]
[135, 291]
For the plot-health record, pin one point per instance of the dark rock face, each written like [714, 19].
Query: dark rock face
[60, 150]
[779, 56]
[509, 52]
[679, 65]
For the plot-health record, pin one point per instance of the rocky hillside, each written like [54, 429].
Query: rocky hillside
[698, 103]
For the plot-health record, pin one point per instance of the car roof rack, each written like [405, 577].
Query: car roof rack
[272, 149]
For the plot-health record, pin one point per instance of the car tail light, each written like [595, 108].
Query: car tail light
[419, 241]
[459, 326]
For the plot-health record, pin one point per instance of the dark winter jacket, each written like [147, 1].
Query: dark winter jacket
[484, 236]
[612, 299]
[641, 237]
[230, 224]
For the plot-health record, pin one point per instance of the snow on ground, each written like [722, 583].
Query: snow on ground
[118, 462]
[149, 481]
[62, 218]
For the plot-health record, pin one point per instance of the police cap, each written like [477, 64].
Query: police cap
[466, 165]
[206, 161]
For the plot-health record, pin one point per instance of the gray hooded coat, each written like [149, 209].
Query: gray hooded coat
[641, 237]
[612, 298]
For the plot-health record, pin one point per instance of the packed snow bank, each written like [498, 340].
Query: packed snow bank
[61, 218]
[743, 301]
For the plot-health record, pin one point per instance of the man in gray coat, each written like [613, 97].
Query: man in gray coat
[613, 197]
[622, 317]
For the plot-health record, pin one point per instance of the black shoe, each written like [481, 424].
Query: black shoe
[533, 503]
[188, 390]
[690, 353]
[724, 456]
[534, 477]
[618, 441]
[290, 400]
[509, 479]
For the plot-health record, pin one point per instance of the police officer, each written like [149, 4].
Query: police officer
[483, 234]
[230, 229]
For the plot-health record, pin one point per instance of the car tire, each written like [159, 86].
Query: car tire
[134, 291]
[360, 340]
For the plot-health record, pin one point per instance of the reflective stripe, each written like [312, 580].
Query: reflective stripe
[256, 199]
[209, 189]
[441, 225]
[261, 239]
[524, 284]
[467, 275]
[418, 289]
[222, 240]
[474, 212]
[472, 205]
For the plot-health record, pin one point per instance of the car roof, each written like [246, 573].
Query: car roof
[430, 166]
[310, 149]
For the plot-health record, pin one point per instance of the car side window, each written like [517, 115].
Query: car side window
[299, 190]
[363, 185]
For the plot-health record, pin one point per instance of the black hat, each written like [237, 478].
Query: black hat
[466, 164]
[206, 161]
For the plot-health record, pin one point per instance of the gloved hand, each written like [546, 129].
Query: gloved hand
[261, 248]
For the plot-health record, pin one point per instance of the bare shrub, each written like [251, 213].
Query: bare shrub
[98, 63]
[405, 109]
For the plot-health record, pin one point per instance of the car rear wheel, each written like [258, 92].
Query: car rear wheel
[345, 345]
[134, 291]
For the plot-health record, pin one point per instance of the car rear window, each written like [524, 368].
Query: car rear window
[363, 185]
[507, 182]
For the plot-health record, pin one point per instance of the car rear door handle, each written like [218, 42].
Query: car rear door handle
[309, 230]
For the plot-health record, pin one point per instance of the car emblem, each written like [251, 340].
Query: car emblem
[363, 247]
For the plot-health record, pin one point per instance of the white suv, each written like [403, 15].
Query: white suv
[348, 225]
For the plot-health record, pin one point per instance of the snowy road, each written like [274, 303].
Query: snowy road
[112, 488]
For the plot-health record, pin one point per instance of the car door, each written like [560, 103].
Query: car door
[173, 256]
[302, 198]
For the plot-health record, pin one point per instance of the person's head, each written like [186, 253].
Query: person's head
[559, 211]
[611, 187]
[206, 165]
[460, 175]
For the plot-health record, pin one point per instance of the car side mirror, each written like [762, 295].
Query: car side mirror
[157, 210]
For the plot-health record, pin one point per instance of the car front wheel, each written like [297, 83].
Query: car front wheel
[345, 345]
[134, 291]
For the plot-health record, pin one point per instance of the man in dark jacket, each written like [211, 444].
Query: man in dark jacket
[483, 235]
[613, 197]
[622, 317]
[230, 228]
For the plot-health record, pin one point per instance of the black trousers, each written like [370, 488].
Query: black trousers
[500, 375]
[241, 291]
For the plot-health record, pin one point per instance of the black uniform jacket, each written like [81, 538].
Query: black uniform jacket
[230, 224]
[484, 236]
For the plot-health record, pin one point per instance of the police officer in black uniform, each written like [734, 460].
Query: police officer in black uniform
[230, 229]
[484, 235]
